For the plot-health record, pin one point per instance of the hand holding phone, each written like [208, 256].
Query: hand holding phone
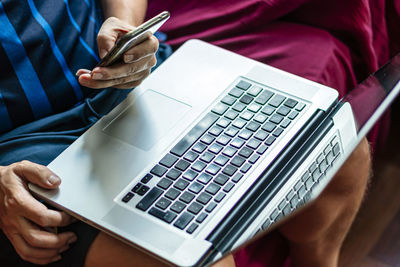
[112, 70]
[133, 38]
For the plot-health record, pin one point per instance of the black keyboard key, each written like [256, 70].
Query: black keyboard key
[166, 216]
[195, 187]
[223, 140]
[269, 126]
[231, 114]
[270, 140]
[149, 199]
[192, 228]
[243, 85]
[229, 170]
[276, 118]
[136, 188]
[183, 220]
[237, 177]
[231, 131]
[215, 148]
[253, 126]
[246, 99]
[199, 166]
[253, 159]
[278, 131]
[201, 217]
[238, 161]
[181, 184]
[247, 115]
[239, 107]
[213, 188]
[178, 207]
[228, 187]
[216, 131]
[211, 207]
[204, 198]
[207, 157]
[237, 142]
[191, 156]
[143, 190]
[182, 165]
[163, 203]
[204, 178]
[283, 110]
[207, 139]
[190, 175]
[223, 122]
[235, 92]
[336, 149]
[221, 179]
[229, 151]
[168, 160]
[246, 167]
[172, 193]
[213, 169]
[253, 143]
[186, 197]
[219, 197]
[266, 224]
[158, 170]
[286, 210]
[146, 178]
[164, 183]
[293, 115]
[195, 208]
[285, 123]
[246, 152]
[245, 134]
[128, 197]
[228, 100]
[300, 106]
[239, 123]
[262, 149]
[264, 97]
[194, 134]
[261, 135]
[276, 100]
[254, 107]
[173, 174]
[199, 147]
[268, 110]
[254, 91]
[220, 108]
[260, 118]
[291, 103]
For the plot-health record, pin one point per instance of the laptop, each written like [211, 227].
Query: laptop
[208, 151]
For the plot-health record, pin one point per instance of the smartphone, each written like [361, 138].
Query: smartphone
[133, 38]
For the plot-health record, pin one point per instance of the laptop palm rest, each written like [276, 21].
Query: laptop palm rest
[147, 119]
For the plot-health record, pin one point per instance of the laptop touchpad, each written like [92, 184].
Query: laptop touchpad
[147, 119]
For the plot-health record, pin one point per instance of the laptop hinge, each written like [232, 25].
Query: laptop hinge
[269, 183]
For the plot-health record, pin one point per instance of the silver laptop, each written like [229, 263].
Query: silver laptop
[211, 148]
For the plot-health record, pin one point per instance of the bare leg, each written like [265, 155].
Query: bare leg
[108, 251]
[316, 235]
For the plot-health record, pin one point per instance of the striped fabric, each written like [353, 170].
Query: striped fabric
[43, 44]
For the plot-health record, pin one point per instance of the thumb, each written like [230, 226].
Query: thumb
[37, 174]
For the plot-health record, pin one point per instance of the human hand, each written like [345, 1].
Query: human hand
[136, 65]
[23, 218]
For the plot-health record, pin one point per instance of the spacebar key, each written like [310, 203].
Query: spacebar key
[149, 199]
[194, 134]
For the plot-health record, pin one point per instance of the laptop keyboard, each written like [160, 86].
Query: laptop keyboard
[205, 165]
[310, 179]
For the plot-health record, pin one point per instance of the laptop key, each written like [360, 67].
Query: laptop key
[135, 189]
[158, 170]
[228, 187]
[166, 216]
[128, 197]
[246, 152]
[199, 166]
[195, 208]
[229, 170]
[243, 85]
[285, 123]
[231, 114]
[192, 228]
[237, 177]
[228, 100]
[238, 161]
[235, 92]
[199, 147]
[262, 149]
[239, 106]
[212, 188]
[213, 169]
[186, 197]
[182, 165]
[246, 167]
[183, 220]
[253, 126]
[191, 156]
[211, 207]
[143, 190]
[207, 139]
[269, 126]
[207, 157]
[223, 140]
[264, 97]
[220, 108]
[276, 118]
[254, 91]
[293, 115]
[246, 99]
[221, 179]
[231, 131]
[172, 193]
[300, 106]
[146, 178]
[270, 140]
[277, 100]
[221, 160]
[204, 198]
[291, 103]
[173, 174]
[201, 217]
[204, 178]
[219, 197]
[164, 183]
[163, 203]
[195, 187]
[237, 142]
[268, 110]
[283, 110]
[149, 199]
[181, 184]
[194, 134]
[178, 207]
[223, 122]
[168, 160]
[190, 175]
[216, 131]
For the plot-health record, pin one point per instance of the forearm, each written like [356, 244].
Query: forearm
[131, 11]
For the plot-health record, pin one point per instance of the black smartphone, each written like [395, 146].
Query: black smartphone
[133, 38]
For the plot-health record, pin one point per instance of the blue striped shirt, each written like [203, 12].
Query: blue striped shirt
[43, 44]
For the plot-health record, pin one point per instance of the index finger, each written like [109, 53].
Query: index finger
[143, 49]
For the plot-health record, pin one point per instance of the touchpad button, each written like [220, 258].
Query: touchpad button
[147, 119]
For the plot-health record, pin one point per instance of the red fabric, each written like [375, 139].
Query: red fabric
[336, 43]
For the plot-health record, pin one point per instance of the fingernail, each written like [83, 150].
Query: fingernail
[56, 258]
[128, 58]
[97, 76]
[72, 240]
[53, 179]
